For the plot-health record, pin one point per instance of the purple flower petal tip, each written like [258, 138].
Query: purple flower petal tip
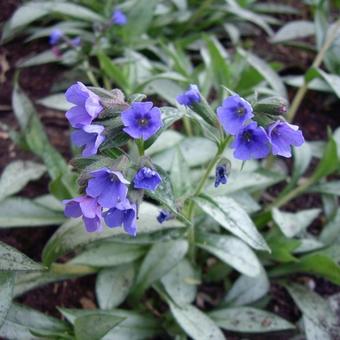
[119, 18]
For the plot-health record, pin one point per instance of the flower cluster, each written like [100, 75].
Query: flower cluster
[252, 141]
[106, 193]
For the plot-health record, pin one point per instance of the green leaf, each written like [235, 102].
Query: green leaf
[180, 283]
[215, 58]
[195, 323]
[45, 57]
[34, 10]
[329, 162]
[56, 101]
[21, 320]
[315, 309]
[25, 281]
[328, 188]
[12, 260]
[113, 285]
[195, 150]
[248, 289]
[72, 235]
[332, 80]
[135, 326]
[24, 212]
[331, 230]
[316, 264]
[140, 17]
[113, 71]
[95, 326]
[16, 175]
[294, 30]
[232, 217]
[267, 72]
[231, 251]
[6, 290]
[161, 258]
[282, 247]
[249, 15]
[249, 320]
[38, 142]
[109, 254]
[302, 158]
[292, 224]
[179, 174]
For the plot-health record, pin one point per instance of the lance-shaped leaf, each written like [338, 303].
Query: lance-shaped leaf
[12, 260]
[17, 174]
[249, 320]
[232, 217]
[6, 290]
[231, 251]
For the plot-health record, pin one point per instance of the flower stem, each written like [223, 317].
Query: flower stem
[200, 187]
[316, 63]
[90, 73]
[140, 146]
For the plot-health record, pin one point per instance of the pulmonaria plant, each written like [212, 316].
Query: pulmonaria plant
[114, 181]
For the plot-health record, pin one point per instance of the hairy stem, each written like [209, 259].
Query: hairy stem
[72, 269]
[200, 187]
[90, 73]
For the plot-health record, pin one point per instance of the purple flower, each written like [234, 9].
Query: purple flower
[76, 41]
[220, 175]
[90, 136]
[189, 97]
[87, 106]
[123, 214]
[233, 113]
[108, 186]
[282, 135]
[147, 179]
[251, 142]
[88, 208]
[141, 120]
[55, 36]
[164, 216]
[119, 18]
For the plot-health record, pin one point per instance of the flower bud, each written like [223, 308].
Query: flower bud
[276, 106]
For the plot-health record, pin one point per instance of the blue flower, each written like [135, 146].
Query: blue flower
[119, 18]
[123, 214]
[221, 175]
[88, 208]
[142, 120]
[147, 179]
[55, 36]
[189, 97]
[233, 113]
[87, 105]
[91, 137]
[164, 216]
[282, 135]
[108, 187]
[251, 142]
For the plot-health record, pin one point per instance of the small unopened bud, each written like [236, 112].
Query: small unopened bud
[276, 106]
[222, 172]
